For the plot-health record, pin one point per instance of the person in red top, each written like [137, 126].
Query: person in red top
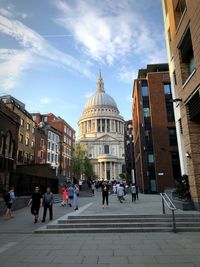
[64, 195]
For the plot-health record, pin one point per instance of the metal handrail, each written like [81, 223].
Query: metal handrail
[166, 200]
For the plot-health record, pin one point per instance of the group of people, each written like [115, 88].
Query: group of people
[119, 189]
[70, 196]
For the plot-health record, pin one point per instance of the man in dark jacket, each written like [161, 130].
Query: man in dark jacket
[48, 199]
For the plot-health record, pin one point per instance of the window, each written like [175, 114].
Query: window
[145, 90]
[41, 142]
[52, 147]
[21, 138]
[49, 135]
[56, 159]
[48, 156]
[65, 129]
[167, 89]
[146, 112]
[45, 119]
[106, 149]
[174, 77]
[52, 157]
[150, 158]
[28, 126]
[27, 141]
[41, 154]
[179, 12]
[32, 144]
[22, 122]
[33, 130]
[65, 139]
[172, 136]
[53, 136]
[187, 60]
[49, 145]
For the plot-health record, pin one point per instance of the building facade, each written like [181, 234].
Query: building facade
[26, 138]
[9, 130]
[67, 141]
[155, 143]
[129, 152]
[101, 130]
[182, 30]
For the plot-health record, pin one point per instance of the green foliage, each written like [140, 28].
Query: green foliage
[81, 164]
[183, 187]
[122, 175]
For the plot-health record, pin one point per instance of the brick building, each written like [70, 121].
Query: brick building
[182, 30]
[155, 143]
[67, 140]
[26, 138]
[9, 130]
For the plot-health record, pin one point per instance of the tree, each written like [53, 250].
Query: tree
[78, 160]
[81, 164]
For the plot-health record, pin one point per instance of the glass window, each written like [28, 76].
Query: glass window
[172, 136]
[145, 91]
[27, 141]
[146, 112]
[41, 154]
[49, 135]
[22, 122]
[187, 59]
[52, 157]
[52, 147]
[28, 126]
[150, 158]
[33, 130]
[21, 138]
[106, 149]
[167, 89]
[65, 129]
[41, 142]
[48, 156]
[49, 145]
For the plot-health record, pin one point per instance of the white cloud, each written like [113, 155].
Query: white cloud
[33, 46]
[13, 63]
[108, 31]
[127, 75]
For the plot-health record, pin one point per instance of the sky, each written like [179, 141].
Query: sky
[51, 51]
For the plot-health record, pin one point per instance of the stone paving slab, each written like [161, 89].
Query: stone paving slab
[90, 250]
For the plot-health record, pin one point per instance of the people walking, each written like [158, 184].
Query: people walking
[64, 195]
[36, 203]
[93, 188]
[70, 195]
[75, 197]
[105, 192]
[9, 198]
[48, 200]
[120, 193]
[133, 192]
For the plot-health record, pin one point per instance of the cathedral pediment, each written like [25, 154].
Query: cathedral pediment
[106, 138]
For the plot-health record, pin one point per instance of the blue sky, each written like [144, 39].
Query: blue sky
[51, 51]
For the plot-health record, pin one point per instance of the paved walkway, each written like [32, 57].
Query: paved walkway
[19, 246]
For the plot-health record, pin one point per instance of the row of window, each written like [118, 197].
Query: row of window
[52, 158]
[27, 141]
[53, 147]
[28, 125]
[67, 140]
[52, 136]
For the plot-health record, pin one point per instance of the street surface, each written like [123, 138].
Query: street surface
[21, 247]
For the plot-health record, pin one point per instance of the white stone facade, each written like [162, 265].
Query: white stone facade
[101, 131]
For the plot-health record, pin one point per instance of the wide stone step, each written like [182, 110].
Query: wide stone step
[129, 216]
[124, 220]
[114, 230]
[121, 225]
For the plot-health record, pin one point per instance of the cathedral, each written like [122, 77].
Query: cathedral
[101, 131]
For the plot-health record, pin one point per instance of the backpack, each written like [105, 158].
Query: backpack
[7, 197]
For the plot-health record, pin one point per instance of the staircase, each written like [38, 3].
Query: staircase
[123, 223]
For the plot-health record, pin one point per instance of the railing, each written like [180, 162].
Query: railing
[166, 200]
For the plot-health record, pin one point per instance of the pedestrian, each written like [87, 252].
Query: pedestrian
[133, 192]
[120, 193]
[48, 199]
[105, 192]
[70, 195]
[9, 198]
[80, 184]
[63, 195]
[93, 188]
[36, 203]
[75, 197]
